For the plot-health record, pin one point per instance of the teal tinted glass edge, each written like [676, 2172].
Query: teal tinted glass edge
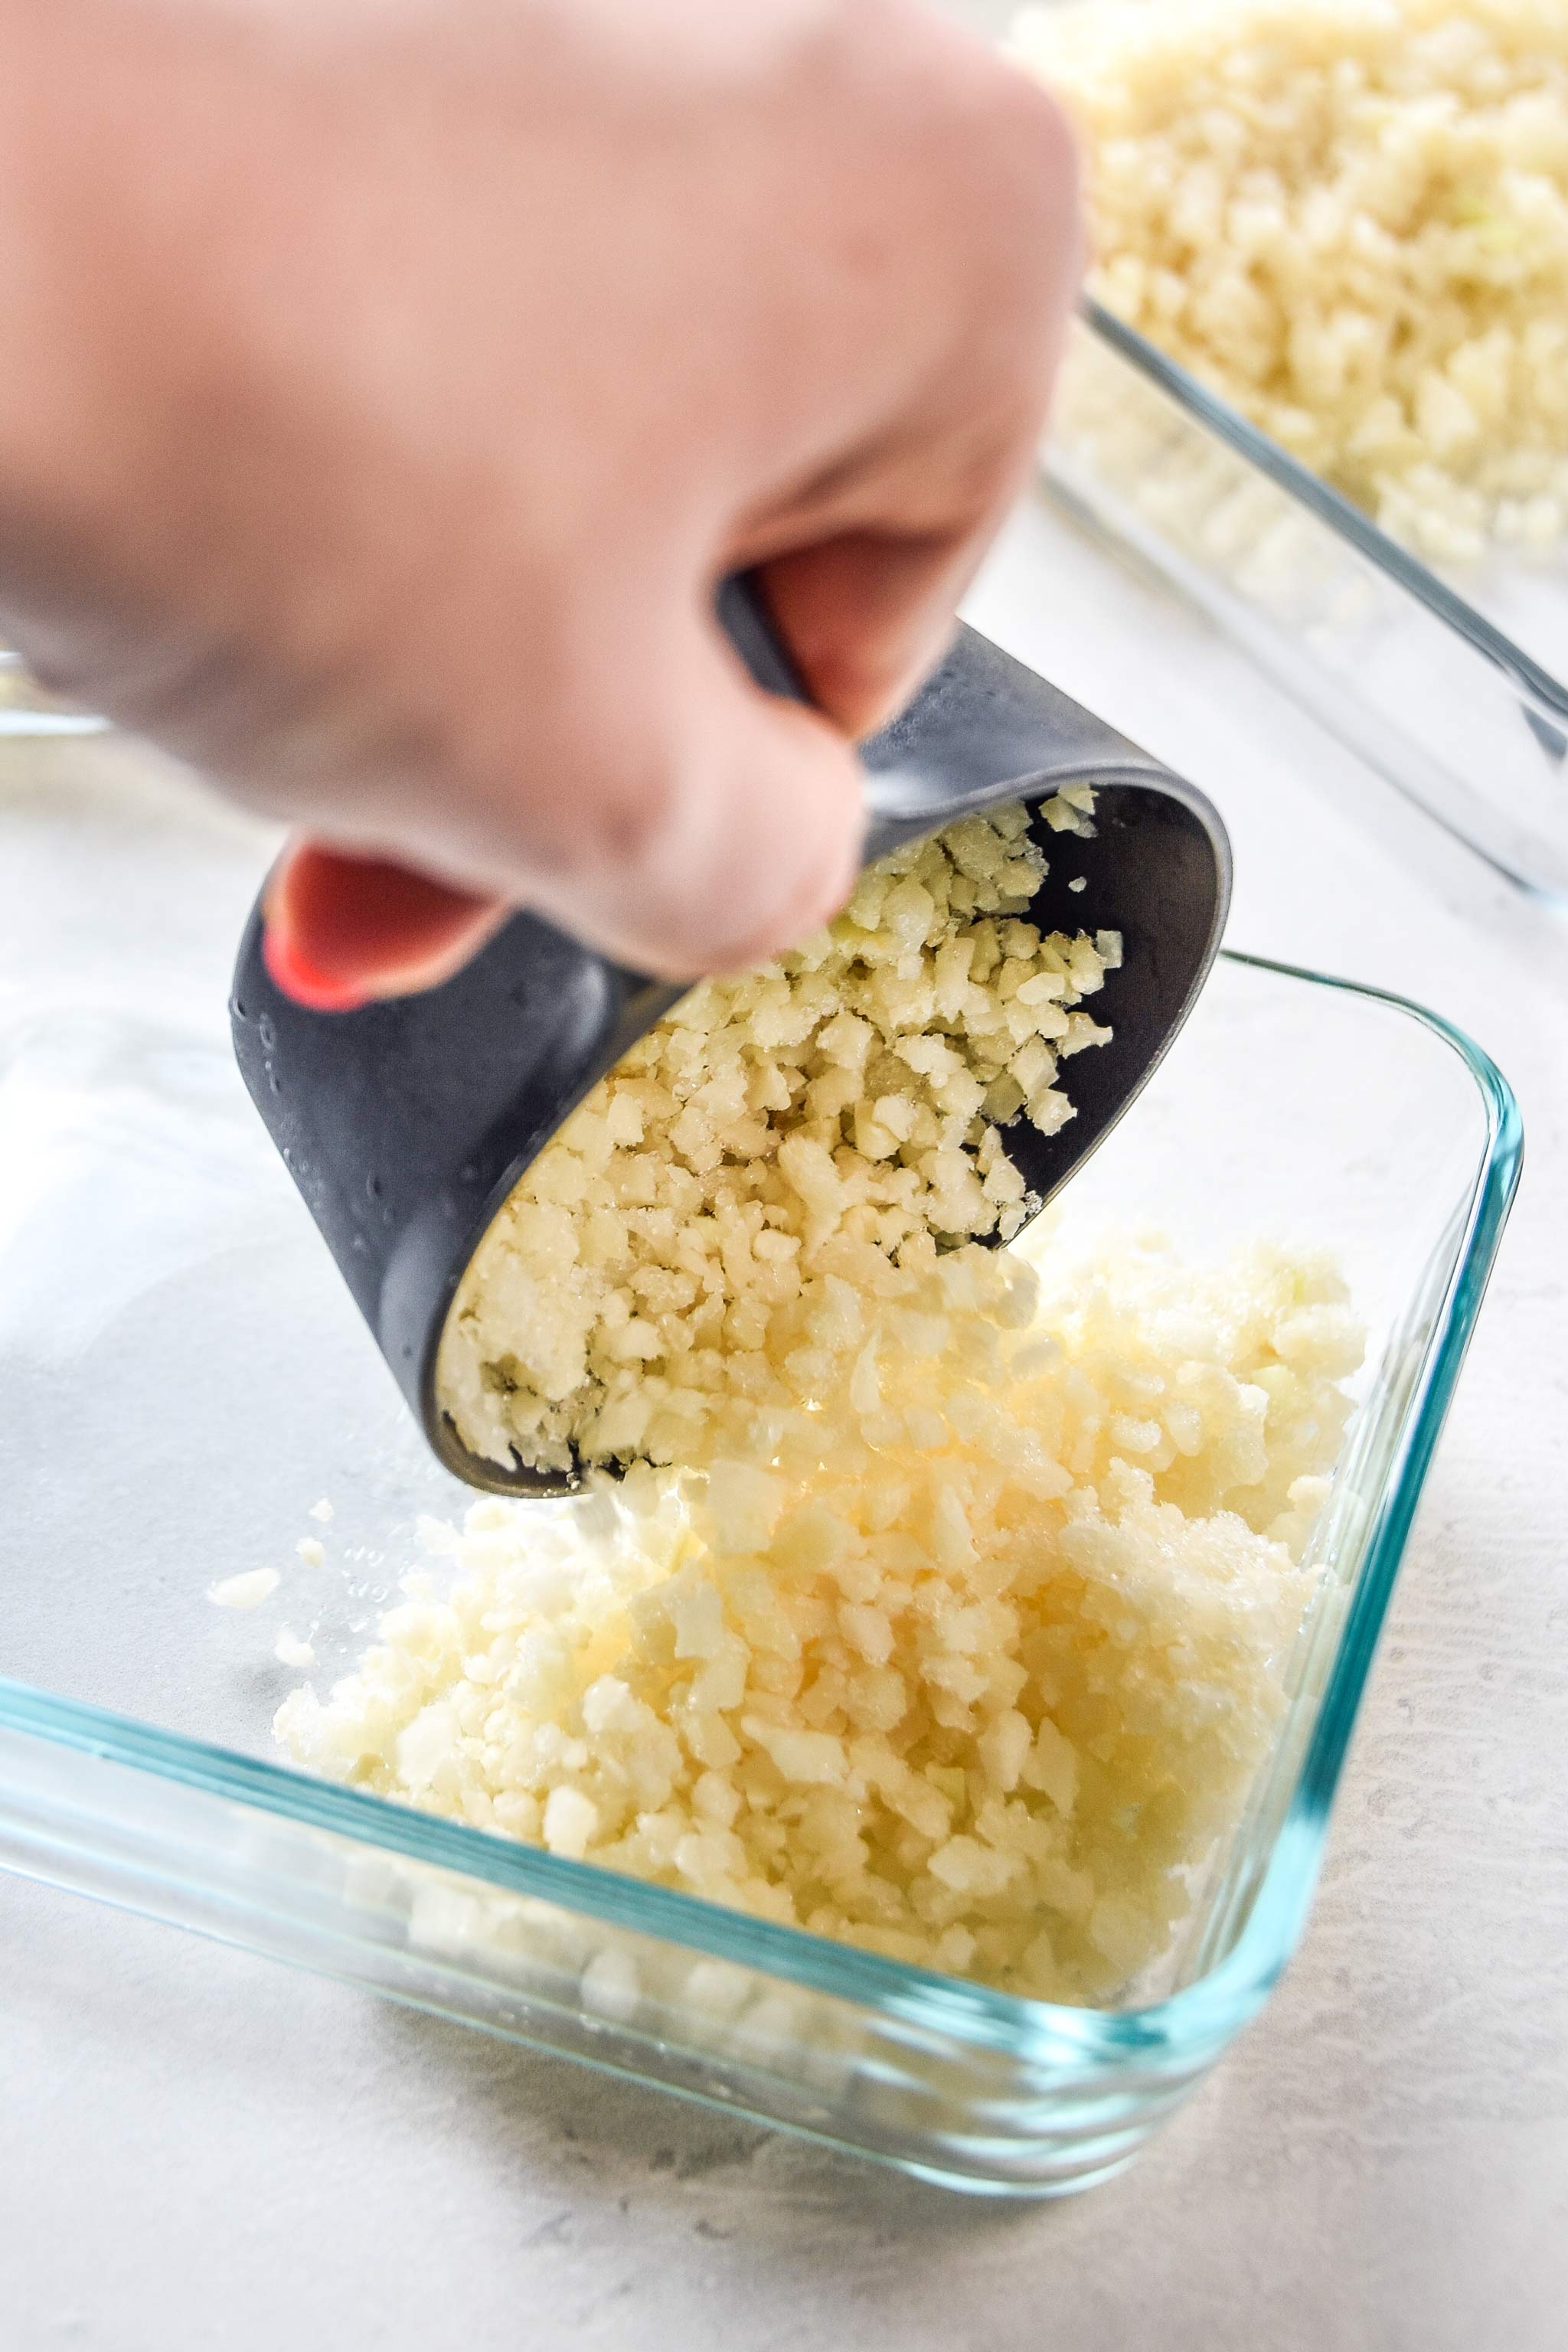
[1198, 2016]
[1539, 688]
[1243, 1978]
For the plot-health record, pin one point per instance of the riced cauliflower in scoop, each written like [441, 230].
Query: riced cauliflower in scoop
[770, 1153]
[970, 1662]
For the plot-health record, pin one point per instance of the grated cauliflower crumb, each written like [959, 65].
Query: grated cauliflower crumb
[291, 1651]
[970, 1665]
[247, 1591]
[684, 1256]
[1349, 218]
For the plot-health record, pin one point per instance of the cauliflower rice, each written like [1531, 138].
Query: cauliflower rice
[1349, 218]
[970, 1665]
[956, 1621]
[782, 1142]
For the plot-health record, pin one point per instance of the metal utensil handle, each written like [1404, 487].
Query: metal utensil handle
[745, 619]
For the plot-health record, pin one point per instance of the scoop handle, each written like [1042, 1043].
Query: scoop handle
[745, 617]
[745, 620]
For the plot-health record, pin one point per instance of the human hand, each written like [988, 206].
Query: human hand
[390, 382]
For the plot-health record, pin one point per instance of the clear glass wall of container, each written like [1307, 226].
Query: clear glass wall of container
[182, 1376]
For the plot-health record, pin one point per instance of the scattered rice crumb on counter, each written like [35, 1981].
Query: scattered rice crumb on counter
[782, 1144]
[970, 1665]
[1349, 218]
[247, 1591]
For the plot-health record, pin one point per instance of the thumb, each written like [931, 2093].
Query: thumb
[733, 842]
[748, 832]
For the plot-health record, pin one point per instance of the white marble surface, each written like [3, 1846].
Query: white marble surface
[197, 2149]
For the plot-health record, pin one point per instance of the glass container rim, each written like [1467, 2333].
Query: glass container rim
[1201, 2015]
[1543, 692]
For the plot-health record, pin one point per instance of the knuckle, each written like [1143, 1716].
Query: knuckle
[1033, 155]
[1000, 160]
[628, 814]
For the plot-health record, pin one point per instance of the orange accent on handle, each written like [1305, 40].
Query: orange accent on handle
[300, 980]
[343, 929]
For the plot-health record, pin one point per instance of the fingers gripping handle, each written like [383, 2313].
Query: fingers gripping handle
[981, 730]
[744, 618]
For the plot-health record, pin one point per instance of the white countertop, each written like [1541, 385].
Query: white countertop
[198, 2149]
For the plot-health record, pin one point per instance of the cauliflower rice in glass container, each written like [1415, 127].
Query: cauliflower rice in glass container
[137, 1756]
[1322, 386]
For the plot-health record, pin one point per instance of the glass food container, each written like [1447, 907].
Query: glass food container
[182, 1376]
[1453, 689]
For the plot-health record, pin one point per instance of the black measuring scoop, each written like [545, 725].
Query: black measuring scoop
[407, 1124]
